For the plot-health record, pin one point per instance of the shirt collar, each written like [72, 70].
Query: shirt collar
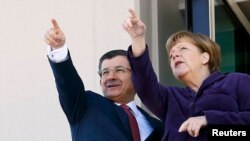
[132, 106]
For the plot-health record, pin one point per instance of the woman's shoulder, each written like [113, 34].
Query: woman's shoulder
[237, 75]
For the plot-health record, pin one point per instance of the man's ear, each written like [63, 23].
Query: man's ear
[205, 57]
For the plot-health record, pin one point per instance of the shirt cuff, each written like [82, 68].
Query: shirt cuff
[58, 55]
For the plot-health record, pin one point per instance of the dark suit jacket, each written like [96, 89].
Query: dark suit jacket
[91, 116]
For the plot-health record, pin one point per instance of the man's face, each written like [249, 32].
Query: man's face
[116, 79]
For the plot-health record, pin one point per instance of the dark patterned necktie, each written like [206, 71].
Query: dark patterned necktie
[133, 123]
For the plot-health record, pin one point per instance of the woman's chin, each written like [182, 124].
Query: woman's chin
[180, 75]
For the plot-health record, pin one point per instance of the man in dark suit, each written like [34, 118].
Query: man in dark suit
[91, 116]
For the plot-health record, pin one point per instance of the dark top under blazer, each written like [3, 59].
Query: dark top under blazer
[91, 116]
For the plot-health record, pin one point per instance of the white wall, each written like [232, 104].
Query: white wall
[29, 106]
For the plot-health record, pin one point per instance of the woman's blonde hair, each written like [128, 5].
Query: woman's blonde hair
[202, 42]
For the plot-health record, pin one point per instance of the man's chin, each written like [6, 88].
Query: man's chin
[111, 95]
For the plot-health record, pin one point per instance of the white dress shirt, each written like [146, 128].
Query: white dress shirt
[58, 55]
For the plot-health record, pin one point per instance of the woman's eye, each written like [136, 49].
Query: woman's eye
[170, 56]
[182, 48]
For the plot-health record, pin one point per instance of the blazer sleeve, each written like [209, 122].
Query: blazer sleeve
[242, 115]
[70, 88]
[151, 92]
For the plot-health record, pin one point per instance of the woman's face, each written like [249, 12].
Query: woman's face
[186, 58]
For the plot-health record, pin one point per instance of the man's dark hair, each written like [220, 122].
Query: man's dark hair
[111, 54]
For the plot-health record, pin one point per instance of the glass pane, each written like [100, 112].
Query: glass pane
[233, 38]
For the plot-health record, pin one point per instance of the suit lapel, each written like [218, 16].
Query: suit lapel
[158, 128]
[148, 117]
